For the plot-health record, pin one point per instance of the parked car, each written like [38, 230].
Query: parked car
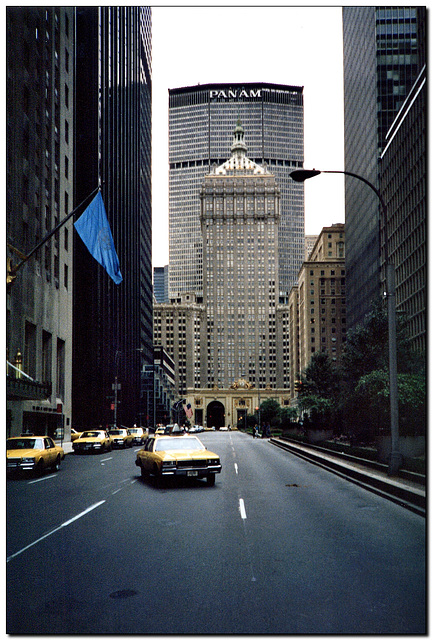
[93, 440]
[138, 435]
[121, 438]
[32, 454]
[174, 456]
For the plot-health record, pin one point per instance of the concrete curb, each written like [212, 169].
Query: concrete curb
[395, 489]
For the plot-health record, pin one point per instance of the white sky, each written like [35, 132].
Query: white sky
[283, 45]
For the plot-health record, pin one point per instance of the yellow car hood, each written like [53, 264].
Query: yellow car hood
[22, 453]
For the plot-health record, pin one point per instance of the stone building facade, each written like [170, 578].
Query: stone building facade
[180, 326]
[237, 337]
[226, 408]
[40, 50]
[317, 306]
[240, 213]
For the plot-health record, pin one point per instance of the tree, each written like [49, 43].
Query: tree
[366, 348]
[371, 397]
[269, 411]
[319, 391]
[365, 396]
[287, 415]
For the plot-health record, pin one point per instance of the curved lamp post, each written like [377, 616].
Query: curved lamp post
[395, 458]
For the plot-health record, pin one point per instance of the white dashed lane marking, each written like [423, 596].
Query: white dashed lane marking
[50, 533]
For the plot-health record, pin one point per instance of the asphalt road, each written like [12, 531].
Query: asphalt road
[277, 546]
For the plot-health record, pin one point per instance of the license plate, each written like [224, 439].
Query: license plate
[192, 473]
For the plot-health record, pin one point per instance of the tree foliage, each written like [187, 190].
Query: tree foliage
[287, 416]
[319, 391]
[367, 350]
[372, 398]
[354, 398]
[269, 411]
[365, 387]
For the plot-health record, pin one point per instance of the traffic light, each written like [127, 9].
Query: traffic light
[298, 386]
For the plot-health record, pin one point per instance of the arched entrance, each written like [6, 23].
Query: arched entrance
[215, 415]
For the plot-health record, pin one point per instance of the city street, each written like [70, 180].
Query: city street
[277, 546]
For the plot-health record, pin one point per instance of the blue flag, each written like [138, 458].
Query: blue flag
[94, 230]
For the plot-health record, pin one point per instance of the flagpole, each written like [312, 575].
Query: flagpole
[13, 270]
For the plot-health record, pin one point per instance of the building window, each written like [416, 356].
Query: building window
[46, 356]
[60, 383]
[48, 263]
[30, 350]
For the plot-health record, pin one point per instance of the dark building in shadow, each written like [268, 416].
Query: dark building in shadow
[384, 59]
[112, 327]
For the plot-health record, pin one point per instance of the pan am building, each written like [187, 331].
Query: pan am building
[201, 121]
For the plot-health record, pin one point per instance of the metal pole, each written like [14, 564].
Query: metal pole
[395, 457]
[51, 233]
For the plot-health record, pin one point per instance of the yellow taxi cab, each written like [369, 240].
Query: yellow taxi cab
[138, 435]
[95, 440]
[161, 430]
[175, 456]
[75, 435]
[121, 437]
[34, 454]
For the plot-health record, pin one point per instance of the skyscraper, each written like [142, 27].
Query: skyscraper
[160, 283]
[39, 193]
[382, 59]
[113, 323]
[201, 121]
[240, 214]
[403, 184]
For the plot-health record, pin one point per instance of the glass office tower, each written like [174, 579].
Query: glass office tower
[382, 59]
[201, 121]
[113, 332]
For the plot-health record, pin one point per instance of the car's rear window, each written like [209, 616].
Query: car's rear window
[179, 444]
[91, 434]
[25, 443]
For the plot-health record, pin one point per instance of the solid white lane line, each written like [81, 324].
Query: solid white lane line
[242, 509]
[40, 479]
[65, 524]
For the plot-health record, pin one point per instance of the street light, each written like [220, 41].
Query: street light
[301, 175]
